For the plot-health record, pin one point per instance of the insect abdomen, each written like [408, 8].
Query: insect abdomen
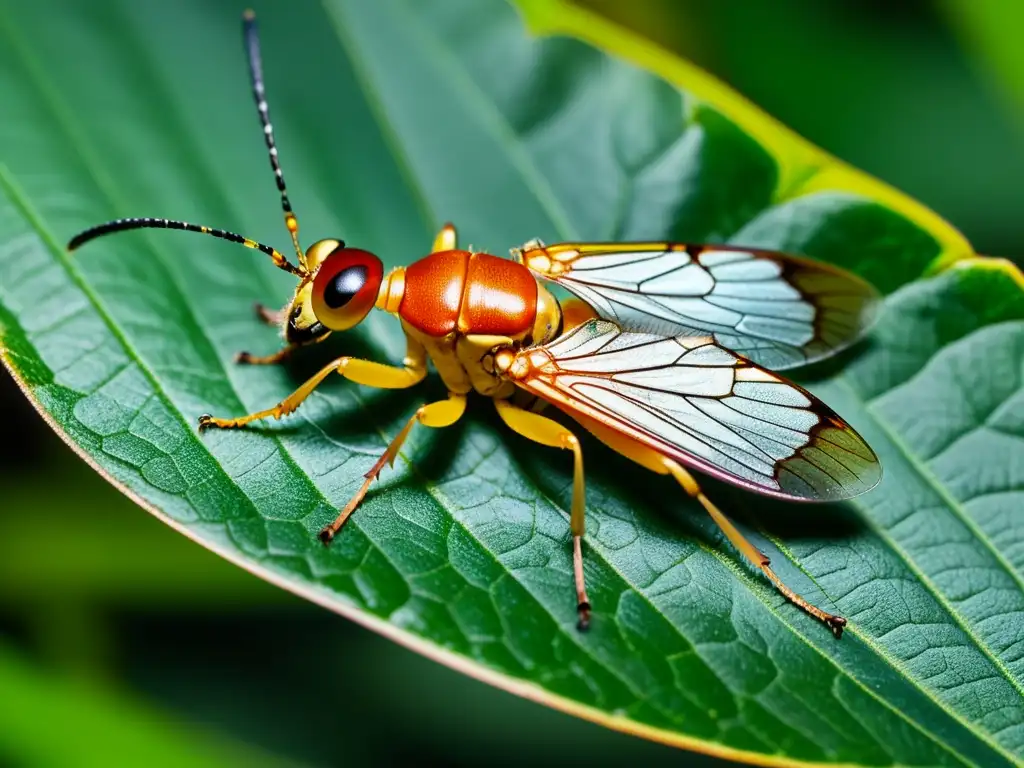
[472, 293]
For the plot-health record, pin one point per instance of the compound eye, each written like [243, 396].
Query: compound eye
[345, 287]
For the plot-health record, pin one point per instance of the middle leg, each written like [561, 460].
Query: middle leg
[549, 432]
[442, 413]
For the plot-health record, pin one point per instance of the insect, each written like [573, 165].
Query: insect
[663, 353]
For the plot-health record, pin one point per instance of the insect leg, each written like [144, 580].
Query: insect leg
[245, 358]
[360, 371]
[752, 553]
[548, 432]
[654, 461]
[269, 316]
[446, 240]
[442, 413]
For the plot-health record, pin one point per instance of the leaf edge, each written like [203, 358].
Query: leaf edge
[804, 167]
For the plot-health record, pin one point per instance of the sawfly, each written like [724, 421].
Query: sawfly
[667, 354]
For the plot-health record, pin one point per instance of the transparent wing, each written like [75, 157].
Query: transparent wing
[698, 403]
[779, 311]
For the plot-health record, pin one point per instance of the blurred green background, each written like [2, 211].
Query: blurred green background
[105, 638]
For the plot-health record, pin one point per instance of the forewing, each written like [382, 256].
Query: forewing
[694, 401]
[779, 311]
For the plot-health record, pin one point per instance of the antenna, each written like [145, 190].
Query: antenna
[120, 225]
[251, 37]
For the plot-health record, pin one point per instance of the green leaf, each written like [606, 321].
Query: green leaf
[392, 117]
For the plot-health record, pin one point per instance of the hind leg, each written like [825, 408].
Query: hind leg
[663, 465]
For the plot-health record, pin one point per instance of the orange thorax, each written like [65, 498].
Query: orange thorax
[468, 293]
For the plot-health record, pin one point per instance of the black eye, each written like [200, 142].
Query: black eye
[346, 284]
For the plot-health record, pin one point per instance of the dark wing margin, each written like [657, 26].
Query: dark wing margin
[694, 401]
[777, 310]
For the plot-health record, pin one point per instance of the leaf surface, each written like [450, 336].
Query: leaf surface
[392, 117]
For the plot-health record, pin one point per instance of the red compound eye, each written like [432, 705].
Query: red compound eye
[345, 287]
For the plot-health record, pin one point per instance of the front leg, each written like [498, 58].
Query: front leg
[366, 372]
[299, 328]
[274, 317]
[245, 358]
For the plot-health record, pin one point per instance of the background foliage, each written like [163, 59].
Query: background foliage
[93, 602]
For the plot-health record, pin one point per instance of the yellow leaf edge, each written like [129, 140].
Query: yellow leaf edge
[803, 167]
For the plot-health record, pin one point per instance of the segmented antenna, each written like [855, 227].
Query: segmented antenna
[120, 225]
[251, 37]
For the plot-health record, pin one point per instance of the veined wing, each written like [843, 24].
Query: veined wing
[698, 403]
[779, 311]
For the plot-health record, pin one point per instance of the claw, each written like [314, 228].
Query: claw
[583, 610]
